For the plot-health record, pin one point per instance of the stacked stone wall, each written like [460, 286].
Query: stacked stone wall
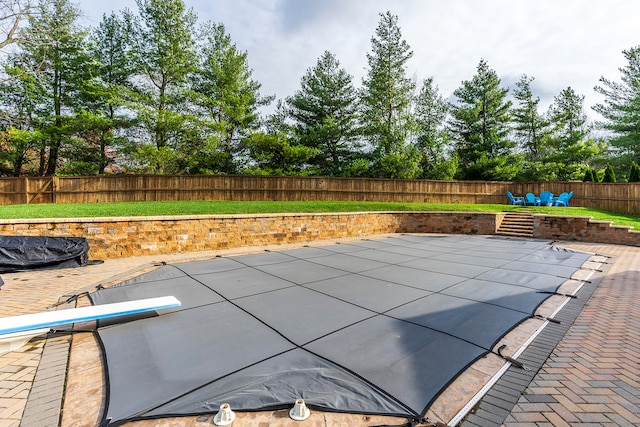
[135, 236]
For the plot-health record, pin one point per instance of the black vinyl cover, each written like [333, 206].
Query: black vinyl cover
[373, 327]
[20, 253]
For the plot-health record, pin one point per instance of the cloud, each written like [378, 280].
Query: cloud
[559, 42]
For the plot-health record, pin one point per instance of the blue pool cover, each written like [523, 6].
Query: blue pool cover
[372, 326]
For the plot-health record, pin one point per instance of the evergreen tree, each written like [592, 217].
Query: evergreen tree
[569, 145]
[621, 108]
[634, 173]
[432, 139]
[226, 101]
[58, 66]
[588, 175]
[164, 57]
[273, 154]
[103, 120]
[480, 127]
[386, 100]
[324, 115]
[529, 126]
[609, 174]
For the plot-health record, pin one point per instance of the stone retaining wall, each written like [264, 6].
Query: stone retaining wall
[133, 236]
[583, 229]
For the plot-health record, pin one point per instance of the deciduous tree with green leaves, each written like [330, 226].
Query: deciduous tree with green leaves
[386, 100]
[324, 116]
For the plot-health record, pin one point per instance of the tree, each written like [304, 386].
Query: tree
[569, 145]
[432, 138]
[609, 174]
[480, 127]
[12, 14]
[104, 117]
[529, 126]
[58, 68]
[163, 54]
[386, 98]
[589, 176]
[621, 108]
[324, 115]
[634, 173]
[273, 154]
[274, 151]
[19, 97]
[226, 100]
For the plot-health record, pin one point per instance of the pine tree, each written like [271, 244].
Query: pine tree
[386, 101]
[569, 144]
[432, 139]
[59, 66]
[226, 102]
[621, 107]
[324, 115]
[104, 118]
[163, 52]
[480, 128]
[529, 126]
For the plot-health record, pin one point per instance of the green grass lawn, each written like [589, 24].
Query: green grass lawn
[88, 210]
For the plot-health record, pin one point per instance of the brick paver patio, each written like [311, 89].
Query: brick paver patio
[590, 379]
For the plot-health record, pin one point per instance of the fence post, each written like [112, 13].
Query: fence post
[25, 190]
[54, 189]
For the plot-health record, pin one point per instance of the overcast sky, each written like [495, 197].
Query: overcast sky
[559, 42]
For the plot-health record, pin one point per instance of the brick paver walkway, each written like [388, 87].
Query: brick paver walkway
[592, 378]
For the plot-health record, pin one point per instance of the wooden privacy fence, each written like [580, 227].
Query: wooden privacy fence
[613, 197]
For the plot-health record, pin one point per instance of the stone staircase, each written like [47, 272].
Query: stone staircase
[516, 224]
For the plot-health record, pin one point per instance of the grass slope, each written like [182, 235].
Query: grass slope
[90, 210]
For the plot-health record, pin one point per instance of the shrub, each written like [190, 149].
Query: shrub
[588, 175]
[634, 173]
[609, 174]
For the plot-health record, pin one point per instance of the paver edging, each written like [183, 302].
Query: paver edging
[486, 413]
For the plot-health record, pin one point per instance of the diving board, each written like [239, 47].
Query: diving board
[19, 329]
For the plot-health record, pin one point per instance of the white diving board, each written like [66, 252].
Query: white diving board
[16, 330]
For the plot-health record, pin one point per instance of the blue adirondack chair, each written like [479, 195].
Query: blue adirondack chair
[545, 199]
[530, 199]
[563, 199]
[513, 200]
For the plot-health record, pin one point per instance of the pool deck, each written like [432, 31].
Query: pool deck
[590, 379]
